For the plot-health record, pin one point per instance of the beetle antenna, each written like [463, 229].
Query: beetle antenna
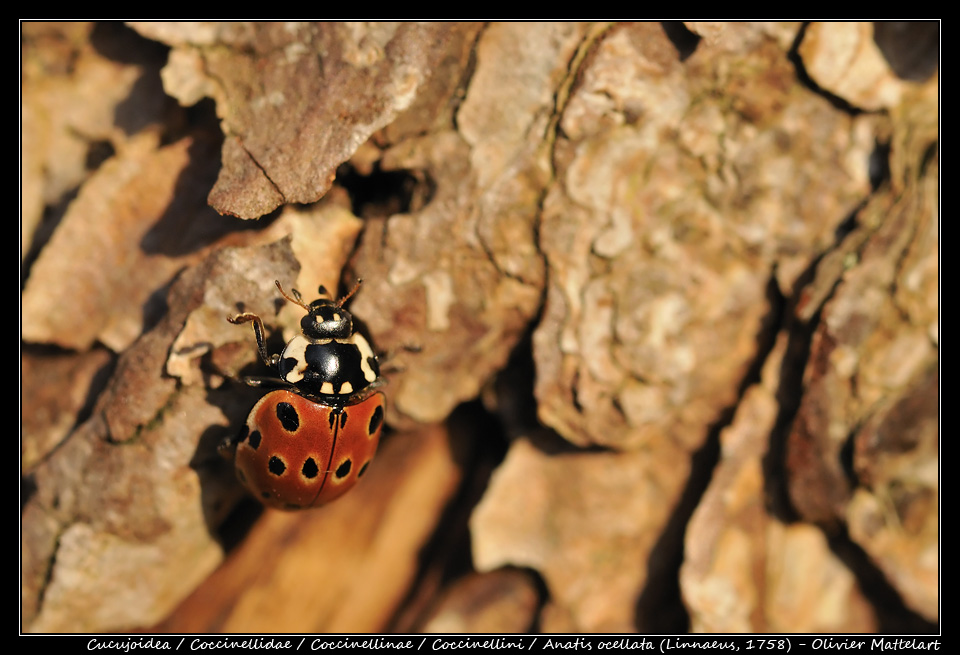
[352, 291]
[295, 299]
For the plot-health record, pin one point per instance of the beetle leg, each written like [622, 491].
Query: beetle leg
[267, 383]
[248, 317]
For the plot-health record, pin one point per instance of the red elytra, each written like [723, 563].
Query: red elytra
[296, 453]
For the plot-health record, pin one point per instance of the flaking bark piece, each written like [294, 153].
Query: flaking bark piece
[81, 102]
[869, 383]
[744, 569]
[877, 333]
[297, 99]
[123, 521]
[586, 521]
[136, 222]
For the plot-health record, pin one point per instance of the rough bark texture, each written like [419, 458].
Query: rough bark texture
[658, 304]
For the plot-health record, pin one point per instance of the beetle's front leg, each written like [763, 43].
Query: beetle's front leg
[248, 317]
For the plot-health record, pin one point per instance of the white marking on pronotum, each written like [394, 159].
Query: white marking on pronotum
[366, 356]
[296, 350]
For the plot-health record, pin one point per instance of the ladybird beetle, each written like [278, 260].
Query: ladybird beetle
[309, 441]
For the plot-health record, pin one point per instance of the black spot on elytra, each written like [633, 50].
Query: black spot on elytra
[255, 439]
[244, 433]
[310, 468]
[288, 416]
[343, 470]
[343, 419]
[375, 420]
[276, 465]
[363, 469]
